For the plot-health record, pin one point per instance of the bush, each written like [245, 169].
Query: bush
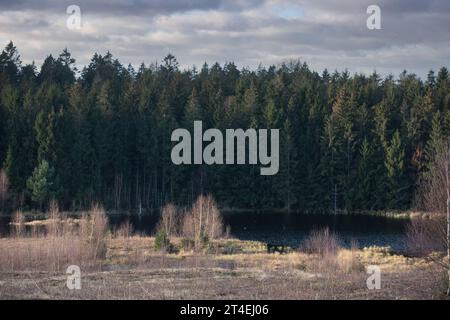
[64, 242]
[169, 220]
[162, 242]
[187, 244]
[426, 234]
[203, 222]
[322, 242]
[94, 231]
[204, 240]
[17, 224]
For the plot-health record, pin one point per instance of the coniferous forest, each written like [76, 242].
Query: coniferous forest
[102, 134]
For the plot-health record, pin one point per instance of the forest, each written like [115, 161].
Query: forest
[351, 142]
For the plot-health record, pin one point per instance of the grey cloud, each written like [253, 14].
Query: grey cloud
[394, 7]
[329, 34]
[127, 7]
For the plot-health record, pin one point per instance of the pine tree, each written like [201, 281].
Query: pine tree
[44, 129]
[106, 134]
[395, 164]
[364, 189]
[435, 140]
[41, 183]
[10, 63]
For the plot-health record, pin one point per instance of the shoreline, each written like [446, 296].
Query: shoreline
[408, 214]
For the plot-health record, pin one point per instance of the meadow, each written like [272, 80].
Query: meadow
[122, 264]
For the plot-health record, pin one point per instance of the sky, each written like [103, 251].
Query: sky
[414, 34]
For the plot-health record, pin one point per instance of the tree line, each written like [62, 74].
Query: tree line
[102, 134]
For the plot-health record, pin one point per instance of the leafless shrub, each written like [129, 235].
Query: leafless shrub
[125, 230]
[83, 227]
[426, 234]
[322, 242]
[17, 224]
[54, 221]
[63, 244]
[348, 260]
[204, 219]
[434, 197]
[326, 244]
[189, 226]
[169, 220]
[95, 227]
[434, 184]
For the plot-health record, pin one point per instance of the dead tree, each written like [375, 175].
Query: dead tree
[434, 196]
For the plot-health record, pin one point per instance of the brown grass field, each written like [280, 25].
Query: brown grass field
[131, 268]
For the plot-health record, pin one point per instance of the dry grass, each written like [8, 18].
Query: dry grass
[326, 245]
[124, 231]
[133, 270]
[323, 242]
[63, 243]
[126, 266]
[349, 261]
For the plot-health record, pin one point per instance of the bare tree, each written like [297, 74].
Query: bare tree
[434, 197]
[4, 185]
[213, 219]
[169, 221]
[204, 219]
[18, 221]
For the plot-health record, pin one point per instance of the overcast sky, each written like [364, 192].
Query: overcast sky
[331, 34]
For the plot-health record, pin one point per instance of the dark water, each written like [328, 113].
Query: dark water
[289, 229]
[292, 229]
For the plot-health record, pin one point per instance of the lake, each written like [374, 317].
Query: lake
[289, 229]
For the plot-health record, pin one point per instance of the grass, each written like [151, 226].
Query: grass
[124, 265]
[133, 269]
[61, 243]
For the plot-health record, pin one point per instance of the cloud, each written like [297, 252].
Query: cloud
[325, 34]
